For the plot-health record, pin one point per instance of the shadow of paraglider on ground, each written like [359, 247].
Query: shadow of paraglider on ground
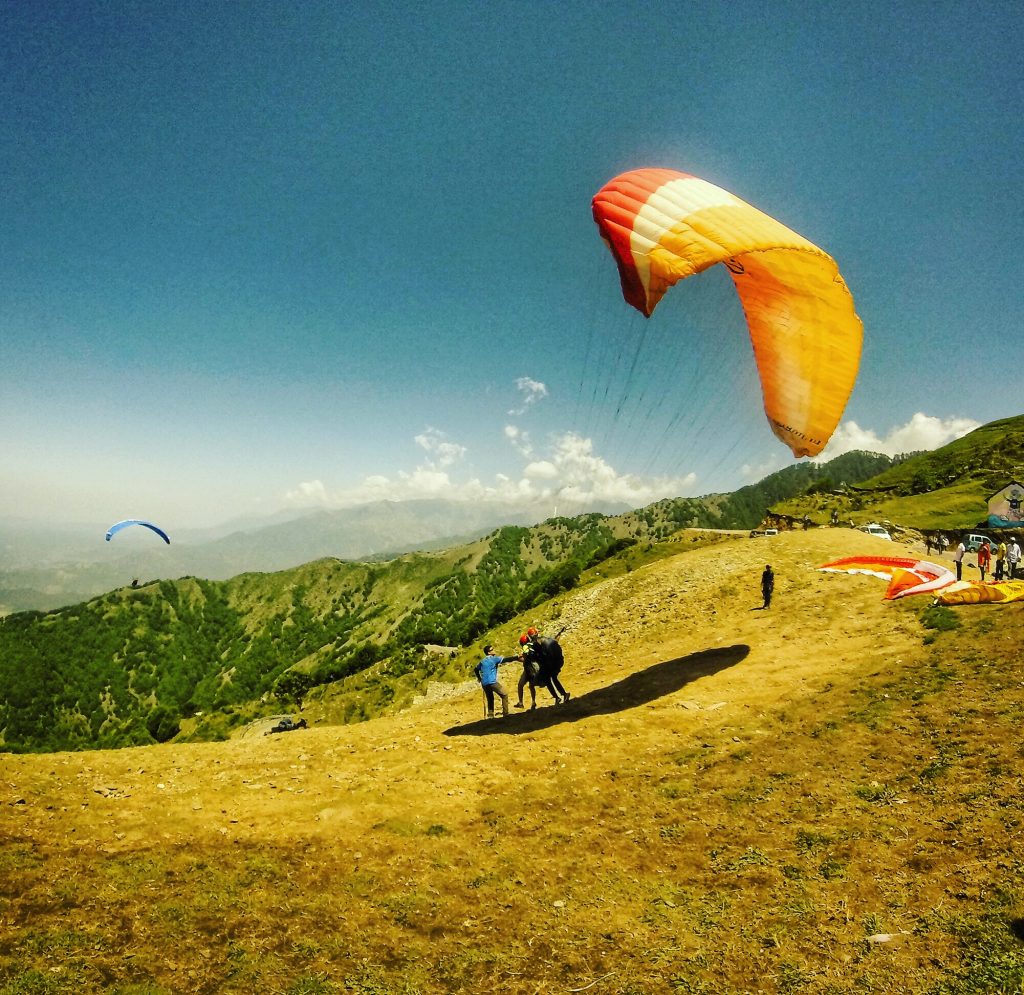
[639, 688]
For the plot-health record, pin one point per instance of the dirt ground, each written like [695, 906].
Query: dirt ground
[671, 644]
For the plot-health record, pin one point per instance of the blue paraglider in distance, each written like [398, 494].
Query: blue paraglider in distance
[136, 521]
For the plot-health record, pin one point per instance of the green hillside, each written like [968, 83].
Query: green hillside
[196, 658]
[746, 507]
[946, 488]
[193, 659]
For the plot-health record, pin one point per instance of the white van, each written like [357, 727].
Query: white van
[972, 543]
[874, 529]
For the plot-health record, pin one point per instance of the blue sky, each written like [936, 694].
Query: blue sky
[263, 255]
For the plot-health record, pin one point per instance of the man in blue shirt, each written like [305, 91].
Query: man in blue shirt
[487, 674]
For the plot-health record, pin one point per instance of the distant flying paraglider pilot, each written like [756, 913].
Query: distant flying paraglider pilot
[767, 585]
[487, 674]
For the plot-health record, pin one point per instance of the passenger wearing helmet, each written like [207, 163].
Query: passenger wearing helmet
[530, 675]
[549, 657]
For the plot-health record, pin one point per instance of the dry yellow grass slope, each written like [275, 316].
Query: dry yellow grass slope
[721, 807]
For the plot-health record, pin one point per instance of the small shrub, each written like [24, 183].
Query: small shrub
[940, 618]
[830, 868]
[877, 794]
[808, 839]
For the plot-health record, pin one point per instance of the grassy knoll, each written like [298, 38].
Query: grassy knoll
[947, 488]
[959, 506]
[823, 798]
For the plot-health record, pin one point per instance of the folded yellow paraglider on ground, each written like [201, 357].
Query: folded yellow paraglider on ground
[976, 592]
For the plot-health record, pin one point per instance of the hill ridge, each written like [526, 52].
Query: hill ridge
[731, 794]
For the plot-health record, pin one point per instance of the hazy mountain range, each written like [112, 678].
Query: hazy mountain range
[47, 566]
[224, 628]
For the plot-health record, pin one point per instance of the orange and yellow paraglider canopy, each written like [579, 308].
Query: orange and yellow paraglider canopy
[663, 226]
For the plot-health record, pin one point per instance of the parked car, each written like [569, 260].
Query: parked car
[764, 532]
[972, 543]
[874, 529]
[287, 724]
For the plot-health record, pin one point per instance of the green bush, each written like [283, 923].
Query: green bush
[163, 724]
[940, 618]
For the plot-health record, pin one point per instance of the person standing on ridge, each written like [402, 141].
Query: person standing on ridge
[550, 658]
[984, 559]
[1012, 559]
[487, 674]
[530, 675]
[767, 585]
[958, 559]
[1000, 559]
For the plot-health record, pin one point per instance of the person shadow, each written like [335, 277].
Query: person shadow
[639, 688]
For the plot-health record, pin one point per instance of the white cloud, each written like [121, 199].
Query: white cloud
[520, 440]
[540, 470]
[443, 452]
[308, 492]
[569, 475]
[580, 476]
[531, 391]
[753, 472]
[922, 432]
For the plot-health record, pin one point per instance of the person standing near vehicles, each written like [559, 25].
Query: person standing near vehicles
[958, 559]
[1012, 559]
[487, 674]
[767, 585]
[984, 558]
[1000, 560]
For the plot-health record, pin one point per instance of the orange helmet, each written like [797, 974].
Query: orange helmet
[524, 639]
[531, 632]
